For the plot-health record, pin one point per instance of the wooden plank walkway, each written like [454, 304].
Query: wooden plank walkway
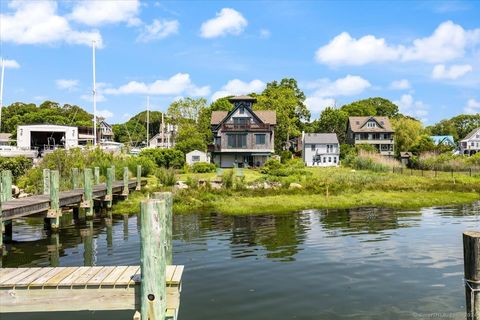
[22, 207]
[81, 289]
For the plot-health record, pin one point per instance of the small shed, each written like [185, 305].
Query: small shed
[405, 157]
[196, 156]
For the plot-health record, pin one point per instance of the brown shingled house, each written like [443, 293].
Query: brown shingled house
[376, 131]
[242, 137]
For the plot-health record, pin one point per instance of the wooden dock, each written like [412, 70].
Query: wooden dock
[17, 208]
[81, 289]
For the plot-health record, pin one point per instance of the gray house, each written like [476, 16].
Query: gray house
[375, 131]
[320, 149]
[242, 137]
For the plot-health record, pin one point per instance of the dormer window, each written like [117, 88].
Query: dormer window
[371, 124]
[241, 110]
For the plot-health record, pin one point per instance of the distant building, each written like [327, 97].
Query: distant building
[105, 131]
[443, 140]
[165, 139]
[470, 145]
[375, 131]
[196, 156]
[5, 139]
[46, 137]
[406, 158]
[320, 149]
[242, 137]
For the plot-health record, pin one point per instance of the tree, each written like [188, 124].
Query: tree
[333, 121]
[186, 109]
[407, 132]
[371, 107]
[205, 116]
[134, 131]
[458, 126]
[288, 101]
[423, 144]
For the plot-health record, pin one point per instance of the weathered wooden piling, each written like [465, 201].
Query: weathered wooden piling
[1, 224]
[96, 174]
[152, 256]
[125, 191]
[6, 185]
[139, 178]
[88, 192]
[55, 211]
[75, 179]
[46, 181]
[168, 197]
[110, 179]
[471, 257]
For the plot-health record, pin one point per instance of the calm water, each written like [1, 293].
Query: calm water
[357, 264]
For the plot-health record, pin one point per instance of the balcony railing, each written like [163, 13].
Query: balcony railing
[245, 127]
[214, 147]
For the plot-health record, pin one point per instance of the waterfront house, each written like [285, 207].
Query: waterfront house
[242, 137]
[470, 145]
[372, 130]
[46, 137]
[320, 149]
[196, 156]
[443, 140]
[105, 131]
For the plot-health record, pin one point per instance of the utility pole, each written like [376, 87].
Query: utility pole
[94, 91]
[148, 118]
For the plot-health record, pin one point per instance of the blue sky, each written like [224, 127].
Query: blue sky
[425, 56]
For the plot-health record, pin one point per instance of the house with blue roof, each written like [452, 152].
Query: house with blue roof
[443, 140]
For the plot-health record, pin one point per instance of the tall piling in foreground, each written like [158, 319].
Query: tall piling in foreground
[139, 178]
[54, 212]
[168, 197]
[471, 257]
[125, 182]
[75, 178]
[46, 181]
[152, 256]
[96, 174]
[110, 179]
[88, 192]
[1, 224]
[6, 185]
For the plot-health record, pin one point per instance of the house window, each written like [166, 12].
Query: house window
[241, 110]
[195, 158]
[334, 159]
[324, 159]
[259, 139]
[237, 141]
[329, 159]
[371, 124]
[312, 146]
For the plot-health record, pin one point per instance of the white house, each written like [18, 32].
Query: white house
[320, 149]
[196, 156]
[46, 137]
[471, 143]
[165, 139]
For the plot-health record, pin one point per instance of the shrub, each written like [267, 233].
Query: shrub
[203, 167]
[366, 160]
[285, 156]
[17, 165]
[166, 176]
[227, 179]
[148, 166]
[169, 158]
[291, 167]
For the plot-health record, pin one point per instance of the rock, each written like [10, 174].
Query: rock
[295, 185]
[180, 185]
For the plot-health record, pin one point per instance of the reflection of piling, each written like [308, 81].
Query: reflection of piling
[125, 226]
[53, 250]
[108, 224]
[152, 257]
[87, 235]
[471, 256]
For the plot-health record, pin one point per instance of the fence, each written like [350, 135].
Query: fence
[437, 173]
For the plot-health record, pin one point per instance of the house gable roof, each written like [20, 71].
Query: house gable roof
[264, 116]
[441, 139]
[357, 124]
[320, 138]
[471, 134]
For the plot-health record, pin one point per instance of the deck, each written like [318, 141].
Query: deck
[81, 289]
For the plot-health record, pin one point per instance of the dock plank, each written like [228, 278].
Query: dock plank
[21, 276]
[57, 278]
[9, 275]
[177, 277]
[68, 281]
[25, 282]
[85, 277]
[127, 277]
[112, 278]
[100, 276]
[40, 281]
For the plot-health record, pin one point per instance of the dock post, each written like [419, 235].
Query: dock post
[46, 181]
[88, 192]
[75, 180]
[96, 175]
[471, 260]
[110, 179]
[54, 212]
[139, 178]
[125, 182]
[1, 226]
[152, 260]
[114, 173]
[6, 185]
[167, 196]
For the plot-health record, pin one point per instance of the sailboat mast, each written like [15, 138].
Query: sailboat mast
[148, 118]
[1, 92]
[94, 91]
[162, 132]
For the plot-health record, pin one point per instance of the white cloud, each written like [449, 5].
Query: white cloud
[11, 64]
[440, 71]
[402, 84]
[104, 114]
[177, 84]
[449, 41]
[326, 90]
[227, 21]
[37, 22]
[472, 107]
[96, 13]
[345, 50]
[409, 106]
[159, 29]
[66, 84]
[237, 87]
[265, 33]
